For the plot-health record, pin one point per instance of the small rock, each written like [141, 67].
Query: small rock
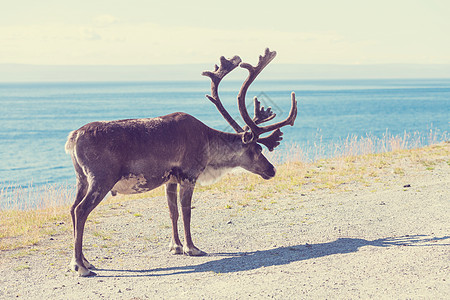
[229, 222]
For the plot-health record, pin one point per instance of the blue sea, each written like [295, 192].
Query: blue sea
[35, 118]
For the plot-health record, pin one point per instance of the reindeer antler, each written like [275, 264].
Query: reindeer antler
[226, 66]
[251, 132]
[273, 139]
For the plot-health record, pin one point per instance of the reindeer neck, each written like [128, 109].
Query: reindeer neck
[225, 149]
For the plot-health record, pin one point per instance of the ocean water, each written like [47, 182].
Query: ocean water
[35, 118]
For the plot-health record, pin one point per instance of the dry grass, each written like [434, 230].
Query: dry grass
[33, 213]
[354, 161]
[333, 174]
[357, 145]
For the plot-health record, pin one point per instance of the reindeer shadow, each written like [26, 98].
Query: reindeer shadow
[245, 261]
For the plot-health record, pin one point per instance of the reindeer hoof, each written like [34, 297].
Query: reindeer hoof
[83, 270]
[176, 250]
[193, 252]
[90, 274]
[74, 267]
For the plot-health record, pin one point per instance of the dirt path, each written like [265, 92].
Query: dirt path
[376, 240]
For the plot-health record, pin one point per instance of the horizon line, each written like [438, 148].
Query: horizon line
[192, 72]
[203, 63]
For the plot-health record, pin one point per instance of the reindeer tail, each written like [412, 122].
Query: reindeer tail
[71, 141]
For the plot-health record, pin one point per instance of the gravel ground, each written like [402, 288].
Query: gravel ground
[387, 239]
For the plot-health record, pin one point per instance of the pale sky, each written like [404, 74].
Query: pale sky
[142, 32]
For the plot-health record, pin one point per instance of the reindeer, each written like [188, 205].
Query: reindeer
[137, 155]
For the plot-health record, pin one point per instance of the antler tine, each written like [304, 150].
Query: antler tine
[253, 73]
[226, 66]
[288, 121]
[261, 115]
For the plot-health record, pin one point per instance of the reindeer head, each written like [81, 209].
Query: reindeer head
[250, 134]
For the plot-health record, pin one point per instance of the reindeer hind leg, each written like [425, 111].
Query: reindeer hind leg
[81, 191]
[93, 197]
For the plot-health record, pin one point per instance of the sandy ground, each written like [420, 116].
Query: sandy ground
[386, 240]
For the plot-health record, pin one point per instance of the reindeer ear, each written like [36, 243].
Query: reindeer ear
[273, 140]
[248, 137]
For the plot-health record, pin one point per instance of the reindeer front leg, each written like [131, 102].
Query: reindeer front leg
[186, 191]
[171, 193]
